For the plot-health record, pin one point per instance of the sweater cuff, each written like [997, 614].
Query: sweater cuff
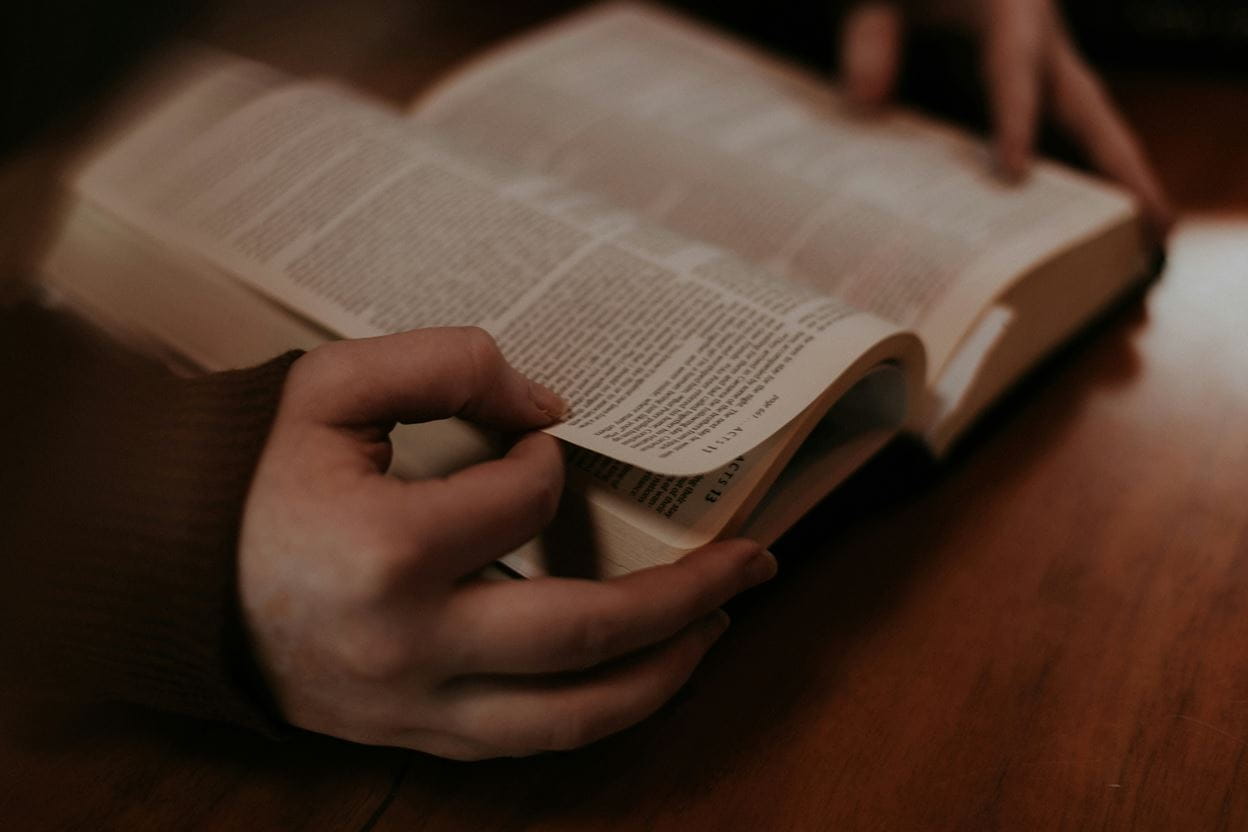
[129, 550]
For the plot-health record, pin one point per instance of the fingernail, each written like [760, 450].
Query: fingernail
[1012, 168]
[1163, 220]
[761, 567]
[717, 622]
[545, 400]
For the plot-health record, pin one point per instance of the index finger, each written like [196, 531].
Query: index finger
[871, 36]
[1013, 65]
[416, 376]
[1085, 110]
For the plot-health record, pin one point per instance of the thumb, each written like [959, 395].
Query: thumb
[419, 376]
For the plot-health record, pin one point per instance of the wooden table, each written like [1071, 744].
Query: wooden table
[1048, 632]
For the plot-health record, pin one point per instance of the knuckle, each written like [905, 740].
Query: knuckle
[477, 338]
[382, 565]
[318, 368]
[466, 654]
[483, 362]
[576, 727]
[326, 359]
[568, 731]
[484, 725]
[546, 490]
[696, 596]
[375, 656]
[482, 350]
[693, 605]
[558, 728]
[591, 639]
[710, 593]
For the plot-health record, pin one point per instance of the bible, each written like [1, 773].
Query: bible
[743, 290]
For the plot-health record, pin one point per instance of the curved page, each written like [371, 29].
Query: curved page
[676, 357]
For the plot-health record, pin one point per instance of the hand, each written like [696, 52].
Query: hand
[1028, 56]
[355, 586]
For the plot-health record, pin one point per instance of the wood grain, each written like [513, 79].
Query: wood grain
[124, 768]
[1046, 633]
[1050, 631]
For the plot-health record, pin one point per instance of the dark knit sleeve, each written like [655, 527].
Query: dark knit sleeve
[123, 497]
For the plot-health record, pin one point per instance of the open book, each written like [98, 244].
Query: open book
[742, 291]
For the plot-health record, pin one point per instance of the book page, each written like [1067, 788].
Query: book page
[684, 512]
[676, 357]
[624, 518]
[895, 215]
[858, 426]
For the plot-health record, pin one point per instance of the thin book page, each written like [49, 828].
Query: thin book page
[676, 357]
[688, 511]
[897, 215]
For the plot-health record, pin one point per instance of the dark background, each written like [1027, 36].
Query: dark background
[57, 54]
